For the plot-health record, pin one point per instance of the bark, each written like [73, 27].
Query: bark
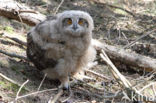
[131, 59]
[16, 11]
[128, 58]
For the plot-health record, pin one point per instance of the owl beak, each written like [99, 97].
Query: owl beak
[74, 26]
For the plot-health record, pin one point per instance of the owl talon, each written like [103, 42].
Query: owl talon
[64, 86]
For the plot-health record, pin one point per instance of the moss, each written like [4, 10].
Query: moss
[15, 88]
[17, 66]
[3, 84]
[148, 92]
[11, 87]
[9, 29]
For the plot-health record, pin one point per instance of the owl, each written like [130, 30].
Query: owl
[61, 45]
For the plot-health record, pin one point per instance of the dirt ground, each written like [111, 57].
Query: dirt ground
[113, 25]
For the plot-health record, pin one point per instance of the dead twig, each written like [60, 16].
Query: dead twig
[42, 82]
[114, 71]
[125, 37]
[56, 97]
[58, 7]
[27, 11]
[130, 44]
[17, 40]
[151, 84]
[37, 92]
[11, 81]
[8, 79]
[97, 74]
[17, 95]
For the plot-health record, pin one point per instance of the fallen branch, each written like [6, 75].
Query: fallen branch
[130, 59]
[13, 55]
[14, 10]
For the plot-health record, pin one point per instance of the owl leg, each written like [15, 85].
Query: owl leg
[64, 82]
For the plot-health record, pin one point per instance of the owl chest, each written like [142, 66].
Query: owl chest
[66, 48]
[76, 47]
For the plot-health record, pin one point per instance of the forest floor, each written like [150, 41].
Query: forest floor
[113, 25]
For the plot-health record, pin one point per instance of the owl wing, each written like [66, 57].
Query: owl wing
[37, 55]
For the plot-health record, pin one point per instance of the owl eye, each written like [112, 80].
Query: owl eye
[69, 21]
[80, 22]
[83, 22]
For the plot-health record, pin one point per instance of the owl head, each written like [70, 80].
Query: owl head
[75, 23]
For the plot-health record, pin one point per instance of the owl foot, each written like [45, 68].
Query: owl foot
[65, 83]
[64, 86]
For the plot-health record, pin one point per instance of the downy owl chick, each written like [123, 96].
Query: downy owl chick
[61, 46]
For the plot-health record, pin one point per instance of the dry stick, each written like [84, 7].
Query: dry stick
[124, 82]
[130, 44]
[125, 37]
[97, 74]
[58, 7]
[10, 80]
[13, 55]
[17, 95]
[27, 11]
[143, 81]
[56, 97]
[114, 70]
[20, 19]
[42, 82]
[153, 87]
[37, 92]
[16, 40]
[146, 86]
